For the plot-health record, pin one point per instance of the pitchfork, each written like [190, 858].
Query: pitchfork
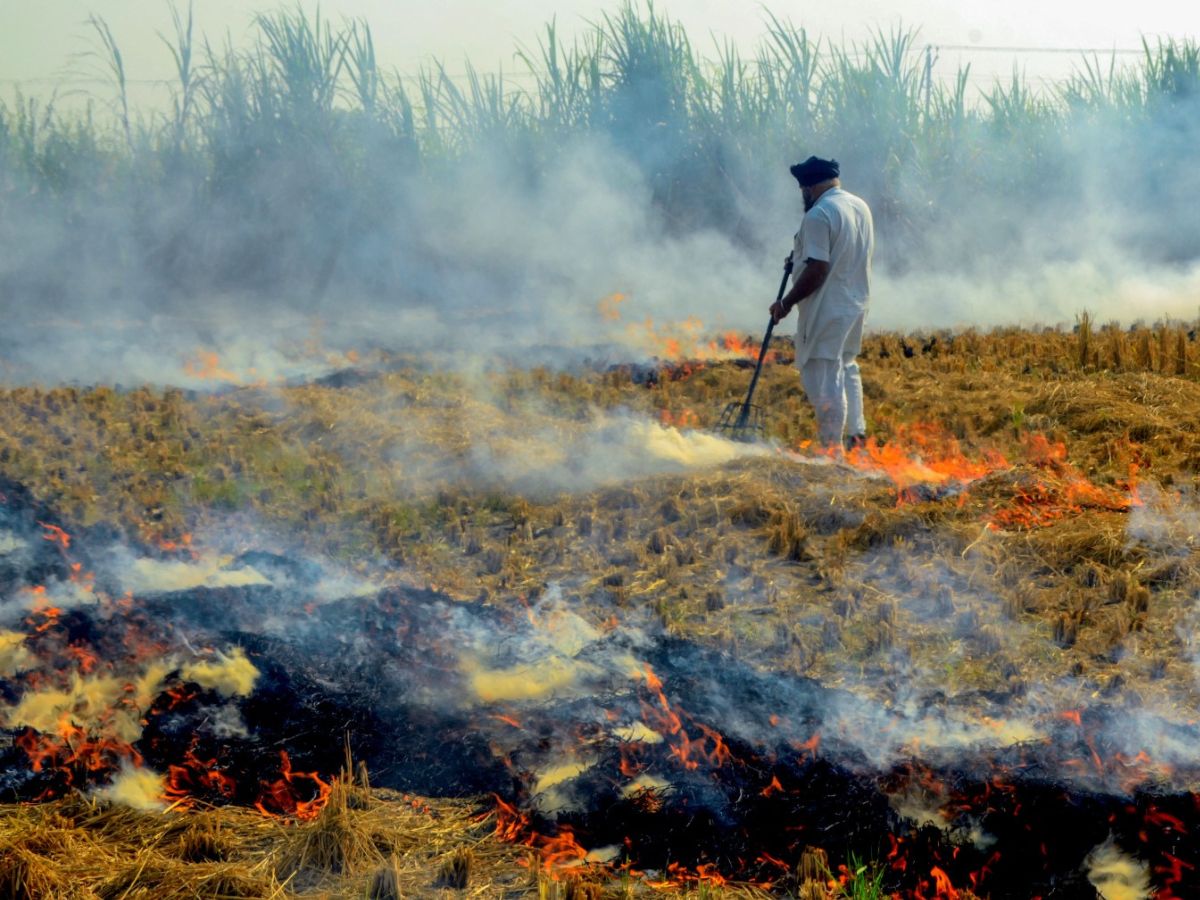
[744, 421]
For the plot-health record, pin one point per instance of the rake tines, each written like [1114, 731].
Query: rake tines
[744, 421]
[741, 422]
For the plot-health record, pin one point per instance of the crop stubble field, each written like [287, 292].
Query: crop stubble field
[1040, 533]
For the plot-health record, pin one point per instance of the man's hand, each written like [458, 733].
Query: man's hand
[812, 277]
[779, 309]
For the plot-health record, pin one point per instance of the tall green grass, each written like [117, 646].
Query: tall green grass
[273, 158]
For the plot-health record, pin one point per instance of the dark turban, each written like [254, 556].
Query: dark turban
[815, 170]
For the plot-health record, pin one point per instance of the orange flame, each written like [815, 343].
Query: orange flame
[86, 660]
[609, 307]
[810, 746]
[285, 796]
[709, 748]
[945, 890]
[206, 365]
[557, 851]
[1061, 490]
[685, 419]
[73, 752]
[678, 342]
[629, 766]
[1174, 876]
[56, 535]
[920, 455]
[183, 544]
[773, 788]
[925, 455]
[197, 778]
[705, 873]
[42, 608]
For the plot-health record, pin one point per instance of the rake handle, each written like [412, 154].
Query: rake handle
[744, 416]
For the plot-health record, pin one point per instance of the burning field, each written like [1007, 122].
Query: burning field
[397, 631]
[366, 529]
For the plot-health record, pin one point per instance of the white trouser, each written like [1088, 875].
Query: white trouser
[834, 388]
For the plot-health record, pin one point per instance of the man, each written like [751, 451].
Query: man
[835, 243]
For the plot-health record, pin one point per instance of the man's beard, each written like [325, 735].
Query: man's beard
[808, 201]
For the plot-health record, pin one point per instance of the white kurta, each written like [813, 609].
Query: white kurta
[837, 230]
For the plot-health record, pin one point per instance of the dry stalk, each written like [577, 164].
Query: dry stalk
[24, 874]
[885, 637]
[455, 869]
[473, 544]
[1127, 590]
[204, 843]
[1066, 630]
[493, 561]
[335, 841]
[1084, 335]
[153, 877]
[385, 883]
[814, 865]
[659, 541]
[1117, 352]
[1145, 350]
[787, 536]
[845, 604]
[1122, 625]
[831, 635]
[549, 888]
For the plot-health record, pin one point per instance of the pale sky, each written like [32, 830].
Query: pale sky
[39, 37]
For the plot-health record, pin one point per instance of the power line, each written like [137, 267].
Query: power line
[1076, 50]
[969, 48]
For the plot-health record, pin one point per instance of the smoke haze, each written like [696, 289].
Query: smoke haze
[341, 230]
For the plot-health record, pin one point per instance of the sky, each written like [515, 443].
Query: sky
[40, 42]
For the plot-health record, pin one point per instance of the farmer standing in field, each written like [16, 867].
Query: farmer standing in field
[832, 275]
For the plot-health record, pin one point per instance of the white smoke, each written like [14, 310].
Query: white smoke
[610, 449]
[1116, 875]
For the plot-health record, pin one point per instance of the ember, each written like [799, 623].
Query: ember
[287, 795]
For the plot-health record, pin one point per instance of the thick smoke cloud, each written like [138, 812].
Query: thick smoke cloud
[287, 220]
[472, 267]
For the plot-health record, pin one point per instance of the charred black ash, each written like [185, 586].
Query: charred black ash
[715, 783]
[30, 560]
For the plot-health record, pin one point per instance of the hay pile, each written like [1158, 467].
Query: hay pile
[368, 844]
[365, 843]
